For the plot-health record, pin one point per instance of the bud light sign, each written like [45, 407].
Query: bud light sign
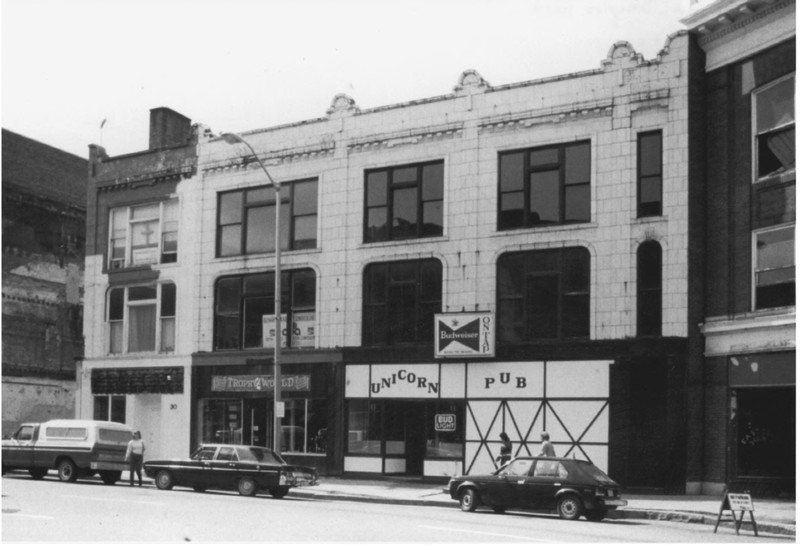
[464, 334]
[445, 422]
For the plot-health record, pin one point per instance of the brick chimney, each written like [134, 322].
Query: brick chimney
[169, 128]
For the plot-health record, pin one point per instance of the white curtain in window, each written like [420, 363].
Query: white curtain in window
[142, 334]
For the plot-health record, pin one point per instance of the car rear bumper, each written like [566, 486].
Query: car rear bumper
[612, 503]
[108, 466]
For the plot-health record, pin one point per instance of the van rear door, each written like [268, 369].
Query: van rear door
[109, 449]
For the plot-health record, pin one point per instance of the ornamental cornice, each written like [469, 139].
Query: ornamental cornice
[561, 114]
[741, 23]
[145, 179]
[404, 138]
[271, 159]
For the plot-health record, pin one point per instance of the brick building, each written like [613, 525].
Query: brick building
[562, 211]
[44, 211]
[748, 404]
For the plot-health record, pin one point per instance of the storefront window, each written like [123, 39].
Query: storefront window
[304, 426]
[109, 408]
[221, 421]
[445, 434]
[363, 434]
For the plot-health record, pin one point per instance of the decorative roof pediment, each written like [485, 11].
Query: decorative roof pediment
[342, 105]
[470, 82]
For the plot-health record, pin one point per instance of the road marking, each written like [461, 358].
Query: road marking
[457, 530]
[21, 515]
[104, 499]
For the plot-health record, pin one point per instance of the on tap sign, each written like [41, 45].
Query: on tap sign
[464, 334]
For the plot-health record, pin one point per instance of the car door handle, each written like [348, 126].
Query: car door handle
[231, 465]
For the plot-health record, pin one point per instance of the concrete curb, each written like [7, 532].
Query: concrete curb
[626, 513]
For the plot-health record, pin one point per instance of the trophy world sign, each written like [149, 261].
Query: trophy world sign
[464, 335]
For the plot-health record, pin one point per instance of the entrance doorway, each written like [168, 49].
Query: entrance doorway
[405, 434]
[257, 422]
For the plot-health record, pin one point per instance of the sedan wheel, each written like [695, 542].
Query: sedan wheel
[247, 487]
[569, 507]
[164, 480]
[67, 471]
[468, 498]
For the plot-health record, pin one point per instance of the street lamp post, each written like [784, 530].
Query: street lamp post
[233, 138]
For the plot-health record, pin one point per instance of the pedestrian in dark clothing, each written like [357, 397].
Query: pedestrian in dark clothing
[505, 449]
[135, 455]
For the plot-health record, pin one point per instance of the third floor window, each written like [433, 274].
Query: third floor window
[545, 186]
[143, 234]
[246, 219]
[403, 202]
[773, 121]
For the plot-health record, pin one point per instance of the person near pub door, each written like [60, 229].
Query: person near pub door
[135, 455]
[505, 449]
[547, 448]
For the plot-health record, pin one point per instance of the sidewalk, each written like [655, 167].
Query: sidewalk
[772, 515]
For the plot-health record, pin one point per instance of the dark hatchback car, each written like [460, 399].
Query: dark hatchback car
[247, 469]
[571, 487]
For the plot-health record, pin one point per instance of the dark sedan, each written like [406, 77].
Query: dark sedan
[247, 469]
[571, 487]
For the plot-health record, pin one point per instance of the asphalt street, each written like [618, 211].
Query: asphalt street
[51, 511]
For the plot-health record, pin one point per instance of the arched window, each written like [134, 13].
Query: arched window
[648, 292]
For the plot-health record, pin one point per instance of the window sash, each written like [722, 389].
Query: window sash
[143, 234]
[246, 219]
[650, 165]
[773, 121]
[773, 267]
[141, 325]
[404, 202]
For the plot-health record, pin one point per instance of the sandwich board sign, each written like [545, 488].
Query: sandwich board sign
[737, 502]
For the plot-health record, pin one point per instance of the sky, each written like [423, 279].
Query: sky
[81, 72]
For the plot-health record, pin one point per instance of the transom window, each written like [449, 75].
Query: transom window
[400, 300]
[649, 174]
[245, 303]
[774, 128]
[774, 271]
[543, 294]
[545, 186]
[404, 202]
[246, 219]
[143, 234]
[141, 319]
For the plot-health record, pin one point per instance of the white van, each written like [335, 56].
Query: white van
[74, 447]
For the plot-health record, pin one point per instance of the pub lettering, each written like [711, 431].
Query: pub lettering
[505, 378]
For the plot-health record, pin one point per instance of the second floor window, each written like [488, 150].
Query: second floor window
[649, 174]
[543, 294]
[774, 127]
[648, 289]
[404, 202]
[141, 319]
[246, 219]
[400, 301]
[774, 271]
[242, 302]
[143, 234]
[545, 186]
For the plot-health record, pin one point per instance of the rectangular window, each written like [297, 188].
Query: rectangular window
[545, 186]
[649, 174]
[404, 202]
[648, 289]
[774, 267]
[773, 125]
[131, 317]
[400, 300]
[246, 219]
[109, 408]
[242, 302]
[364, 428]
[143, 234]
[543, 294]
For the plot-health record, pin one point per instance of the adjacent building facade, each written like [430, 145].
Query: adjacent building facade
[509, 258]
[749, 400]
[44, 211]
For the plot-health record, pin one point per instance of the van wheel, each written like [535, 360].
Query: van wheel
[164, 480]
[278, 492]
[247, 487]
[468, 498]
[37, 473]
[110, 477]
[67, 471]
